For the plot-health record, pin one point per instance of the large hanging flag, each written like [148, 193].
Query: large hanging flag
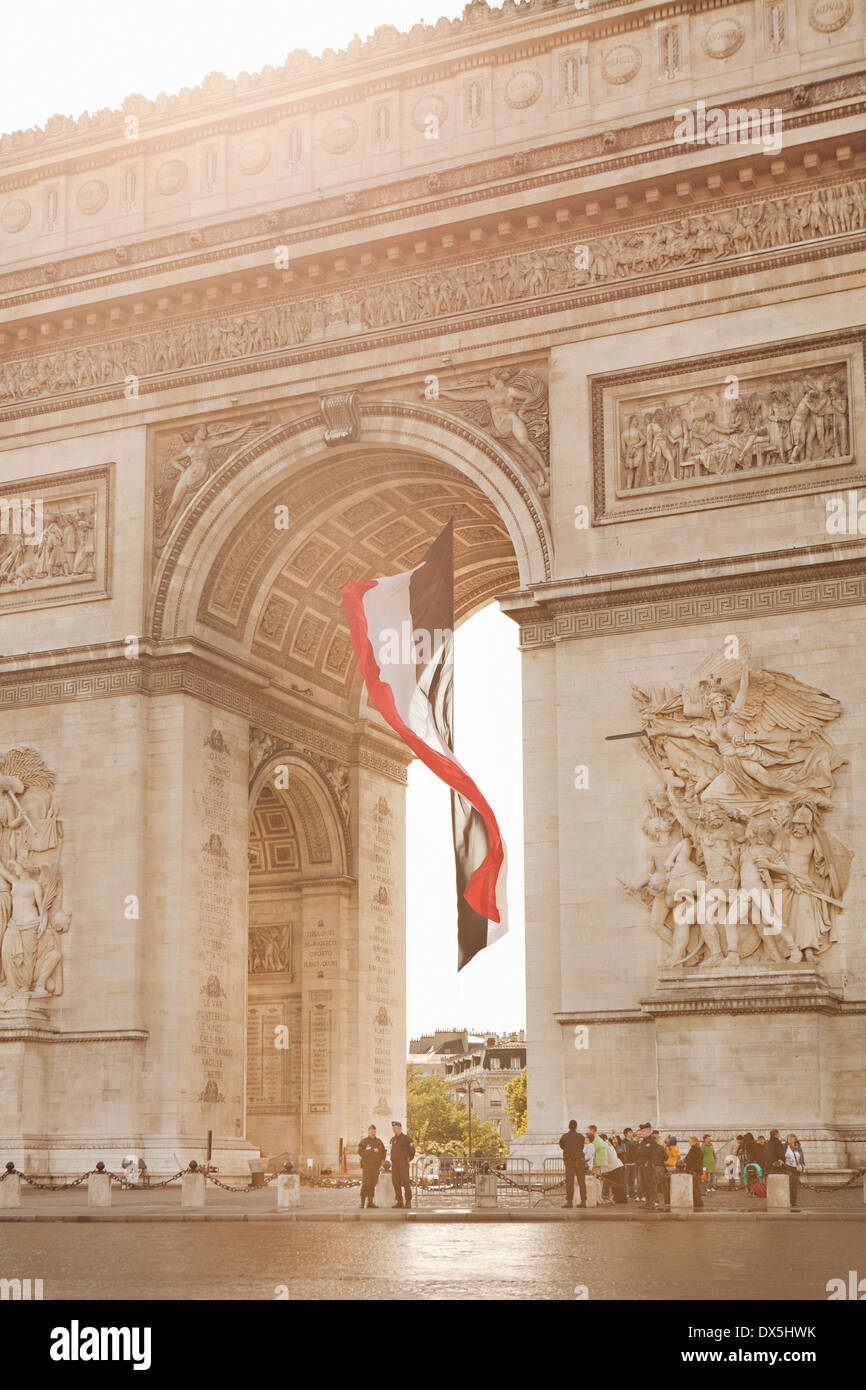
[402, 631]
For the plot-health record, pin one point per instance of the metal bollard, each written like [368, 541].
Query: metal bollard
[288, 1190]
[682, 1192]
[99, 1188]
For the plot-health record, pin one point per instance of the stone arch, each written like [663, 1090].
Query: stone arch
[313, 807]
[417, 431]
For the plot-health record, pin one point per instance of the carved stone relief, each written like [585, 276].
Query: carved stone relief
[739, 427]
[187, 460]
[54, 535]
[656, 246]
[32, 919]
[741, 865]
[724, 38]
[511, 403]
[718, 431]
[829, 15]
[270, 949]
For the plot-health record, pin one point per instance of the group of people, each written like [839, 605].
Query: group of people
[638, 1165]
[373, 1155]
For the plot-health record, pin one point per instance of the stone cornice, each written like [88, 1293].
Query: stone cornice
[61, 677]
[90, 1035]
[405, 197]
[148, 354]
[736, 589]
[444, 47]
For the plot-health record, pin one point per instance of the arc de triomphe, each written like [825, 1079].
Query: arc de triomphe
[265, 337]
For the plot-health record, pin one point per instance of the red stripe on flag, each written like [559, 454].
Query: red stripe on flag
[481, 889]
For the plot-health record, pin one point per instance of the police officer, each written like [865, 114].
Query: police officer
[372, 1152]
[402, 1153]
[572, 1143]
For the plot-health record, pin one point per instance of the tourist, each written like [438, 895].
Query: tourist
[572, 1143]
[774, 1154]
[402, 1153]
[372, 1152]
[614, 1173]
[795, 1164]
[751, 1158]
[709, 1163]
[694, 1164]
[627, 1153]
[663, 1177]
[731, 1160]
[672, 1153]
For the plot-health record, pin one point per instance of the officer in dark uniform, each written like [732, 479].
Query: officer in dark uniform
[572, 1143]
[372, 1152]
[402, 1153]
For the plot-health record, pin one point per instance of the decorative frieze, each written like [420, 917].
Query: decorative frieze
[737, 428]
[654, 246]
[55, 535]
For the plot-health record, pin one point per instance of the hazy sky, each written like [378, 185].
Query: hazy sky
[68, 56]
[488, 993]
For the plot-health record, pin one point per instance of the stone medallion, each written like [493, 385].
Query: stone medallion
[15, 215]
[523, 89]
[255, 156]
[92, 196]
[829, 15]
[171, 177]
[621, 63]
[340, 135]
[432, 105]
[723, 38]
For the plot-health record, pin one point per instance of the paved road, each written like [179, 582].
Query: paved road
[770, 1259]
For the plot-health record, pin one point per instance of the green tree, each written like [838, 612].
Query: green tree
[438, 1125]
[515, 1102]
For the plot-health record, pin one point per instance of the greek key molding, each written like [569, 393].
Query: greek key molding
[172, 675]
[699, 600]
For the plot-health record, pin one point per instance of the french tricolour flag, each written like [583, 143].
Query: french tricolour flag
[403, 633]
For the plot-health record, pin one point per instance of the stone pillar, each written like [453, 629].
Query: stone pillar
[592, 1190]
[778, 1192]
[485, 1190]
[99, 1190]
[10, 1191]
[682, 1192]
[192, 1190]
[288, 1191]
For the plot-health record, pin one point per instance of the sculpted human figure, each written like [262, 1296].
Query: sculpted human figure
[721, 853]
[505, 403]
[25, 925]
[196, 462]
[633, 442]
[747, 778]
[808, 902]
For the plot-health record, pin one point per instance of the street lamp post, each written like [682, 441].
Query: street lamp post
[468, 1090]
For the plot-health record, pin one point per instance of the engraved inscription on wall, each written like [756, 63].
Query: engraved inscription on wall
[383, 962]
[213, 919]
[319, 1051]
[267, 1064]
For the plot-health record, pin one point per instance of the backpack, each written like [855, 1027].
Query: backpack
[758, 1189]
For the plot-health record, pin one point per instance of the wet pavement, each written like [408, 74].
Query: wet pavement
[314, 1260]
